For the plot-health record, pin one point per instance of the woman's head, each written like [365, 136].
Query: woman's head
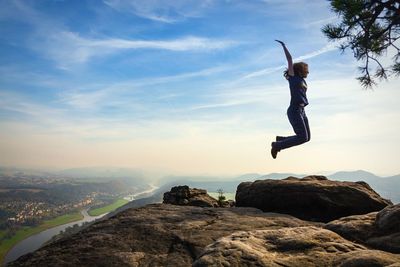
[300, 69]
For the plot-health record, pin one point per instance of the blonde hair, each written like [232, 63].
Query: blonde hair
[299, 69]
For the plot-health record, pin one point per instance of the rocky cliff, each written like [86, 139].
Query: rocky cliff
[185, 235]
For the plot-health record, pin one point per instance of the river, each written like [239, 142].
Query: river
[142, 193]
[35, 241]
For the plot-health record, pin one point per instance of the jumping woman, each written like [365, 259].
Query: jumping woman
[295, 74]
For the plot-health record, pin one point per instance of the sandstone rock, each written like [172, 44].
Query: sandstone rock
[380, 230]
[155, 235]
[356, 227]
[176, 235]
[312, 198]
[298, 246]
[388, 219]
[183, 195]
[389, 242]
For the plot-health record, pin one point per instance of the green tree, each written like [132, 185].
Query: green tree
[221, 197]
[368, 28]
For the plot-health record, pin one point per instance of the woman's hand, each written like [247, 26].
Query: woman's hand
[288, 58]
[282, 43]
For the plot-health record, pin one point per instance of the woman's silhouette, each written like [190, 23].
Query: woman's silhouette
[295, 74]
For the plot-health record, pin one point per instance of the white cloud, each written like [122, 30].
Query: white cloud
[327, 48]
[262, 72]
[68, 48]
[182, 44]
[170, 11]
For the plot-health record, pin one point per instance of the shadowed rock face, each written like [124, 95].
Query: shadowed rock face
[380, 230]
[388, 219]
[183, 195]
[298, 246]
[155, 235]
[313, 198]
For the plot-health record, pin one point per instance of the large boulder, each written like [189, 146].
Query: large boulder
[298, 246]
[380, 230]
[183, 195]
[313, 198]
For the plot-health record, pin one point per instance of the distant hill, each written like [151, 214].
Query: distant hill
[387, 187]
[102, 172]
[17, 172]
[353, 176]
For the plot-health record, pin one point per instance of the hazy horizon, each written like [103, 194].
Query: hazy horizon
[185, 87]
[165, 173]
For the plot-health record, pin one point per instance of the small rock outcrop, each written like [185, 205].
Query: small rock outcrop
[183, 195]
[298, 246]
[380, 230]
[313, 198]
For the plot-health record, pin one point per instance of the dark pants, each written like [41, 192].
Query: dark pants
[299, 122]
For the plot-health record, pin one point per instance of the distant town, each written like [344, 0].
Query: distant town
[31, 212]
[28, 200]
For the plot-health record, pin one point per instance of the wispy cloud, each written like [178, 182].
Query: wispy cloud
[121, 93]
[20, 104]
[237, 96]
[262, 72]
[327, 48]
[171, 11]
[183, 44]
[69, 48]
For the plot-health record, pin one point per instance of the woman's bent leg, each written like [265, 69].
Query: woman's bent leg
[299, 122]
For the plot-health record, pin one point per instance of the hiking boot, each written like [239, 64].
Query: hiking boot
[274, 150]
[280, 138]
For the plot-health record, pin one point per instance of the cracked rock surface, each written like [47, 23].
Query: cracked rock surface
[379, 230]
[154, 235]
[293, 246]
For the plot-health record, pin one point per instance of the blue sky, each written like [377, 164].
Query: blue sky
[183, 86]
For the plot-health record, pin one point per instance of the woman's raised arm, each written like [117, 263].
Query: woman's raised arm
[288, 57]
